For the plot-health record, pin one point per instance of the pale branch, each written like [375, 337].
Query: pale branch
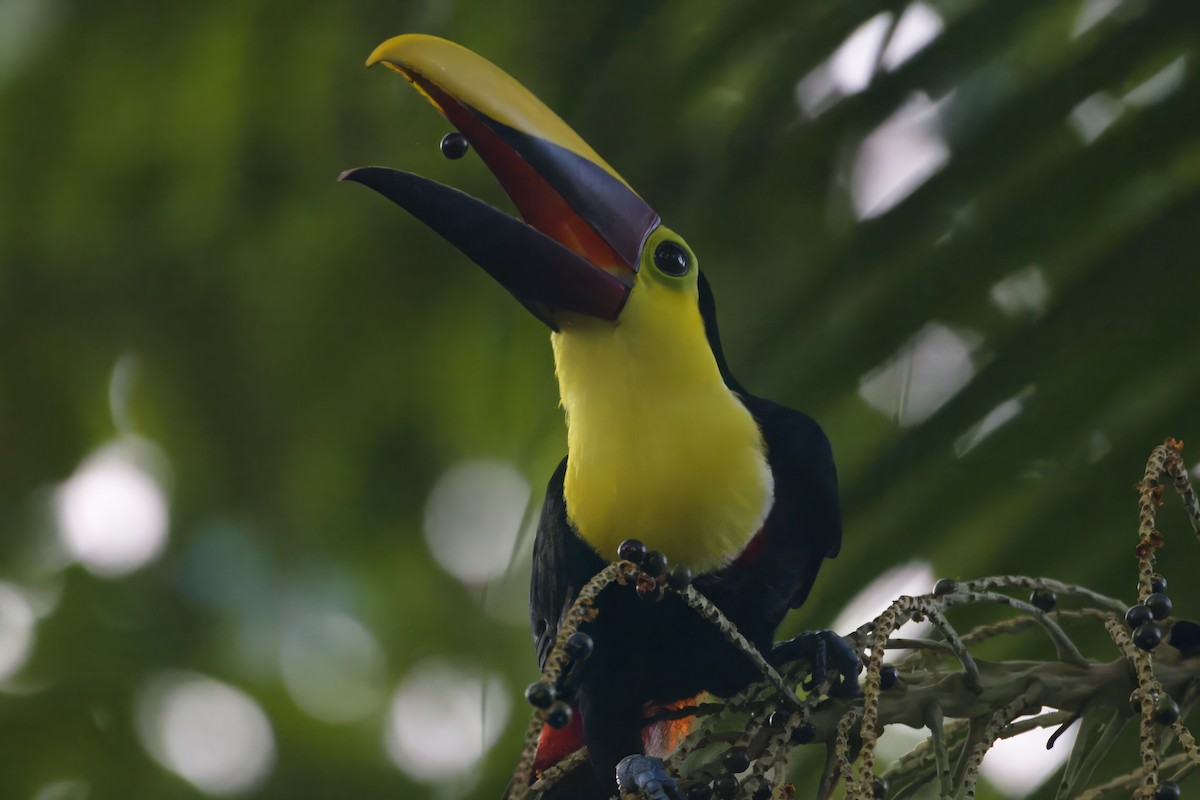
[967, 703]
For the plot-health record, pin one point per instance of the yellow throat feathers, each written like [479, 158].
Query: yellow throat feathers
[659, 448]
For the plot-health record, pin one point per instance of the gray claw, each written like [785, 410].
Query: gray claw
[646, 774]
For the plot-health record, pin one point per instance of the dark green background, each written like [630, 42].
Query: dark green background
[310, 360]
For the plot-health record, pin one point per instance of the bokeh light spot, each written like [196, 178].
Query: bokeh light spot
[17, 620]
[913, 578]
[1094, 115]
[853, 63]
[473, 516]
[1024, 293]
[207, 732]
[112, 513]
[439, 726]
[1019, 765]
[919, 25]
[993, 421]
[924, 373]
[903, 152]
[332, 667]
[64, 790]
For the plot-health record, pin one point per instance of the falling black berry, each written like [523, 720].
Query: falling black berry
[1043, 599]
[1137, 615]
[889, 676]
[1166, 712]
[559, 715]
[655, 563]
[1158, 584]
[945, 586]
[736, 760]
[455, 145]
[725, 786]
[701, 791]
[679, 577]
[579, 645]
[540, 695]
[1167, 791]
[631, 550]
[804, 733]
[879, 789]
[1160, 605]
[1147, 636]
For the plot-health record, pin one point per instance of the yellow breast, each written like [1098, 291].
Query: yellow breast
[659, 449]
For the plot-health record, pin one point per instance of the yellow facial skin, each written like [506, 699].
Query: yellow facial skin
[660, 449]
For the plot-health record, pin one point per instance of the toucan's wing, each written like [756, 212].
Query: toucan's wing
[562, 564]
[805, 524]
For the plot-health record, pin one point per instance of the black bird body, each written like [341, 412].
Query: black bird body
[662, 653]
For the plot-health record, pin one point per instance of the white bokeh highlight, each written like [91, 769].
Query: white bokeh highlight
[17, 626]
[112, 513]
[893, 160]
[919, 25]
[922, 375]
[1094, 115]
[439, 726]
[1024, 293]
[853, 64]
[473, 516]
[332, 667]
[1019, 765]
[209, 733]
[912, 578]
[851, 67]
[1004, 413]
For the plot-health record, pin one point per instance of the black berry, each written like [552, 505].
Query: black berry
[1043, 599]
[725, 786]
[761, 793]
[736, 760]
[579, 645]
[1137, 615]
[559, 715]
[1158, 584]
[1147, 636]
[701, 791]
[888, 677]
[1160, 605]
[1167, 791]
[655, 563]
[945, 586]
[879, 789]
[1167, 711]
[455, 145]
[679, 577]
[631, 550]
[540, 695]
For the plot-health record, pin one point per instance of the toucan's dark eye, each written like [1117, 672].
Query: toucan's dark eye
[672, 259]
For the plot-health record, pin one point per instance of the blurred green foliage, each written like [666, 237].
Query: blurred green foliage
[310, 360]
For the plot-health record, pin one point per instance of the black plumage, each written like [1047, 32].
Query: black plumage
[663, 652]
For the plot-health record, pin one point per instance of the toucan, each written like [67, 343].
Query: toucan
[664, 445]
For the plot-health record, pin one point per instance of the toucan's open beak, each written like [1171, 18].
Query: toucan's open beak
[579, 247]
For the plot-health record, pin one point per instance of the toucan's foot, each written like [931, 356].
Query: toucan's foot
[646, 774]
[824, 650]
